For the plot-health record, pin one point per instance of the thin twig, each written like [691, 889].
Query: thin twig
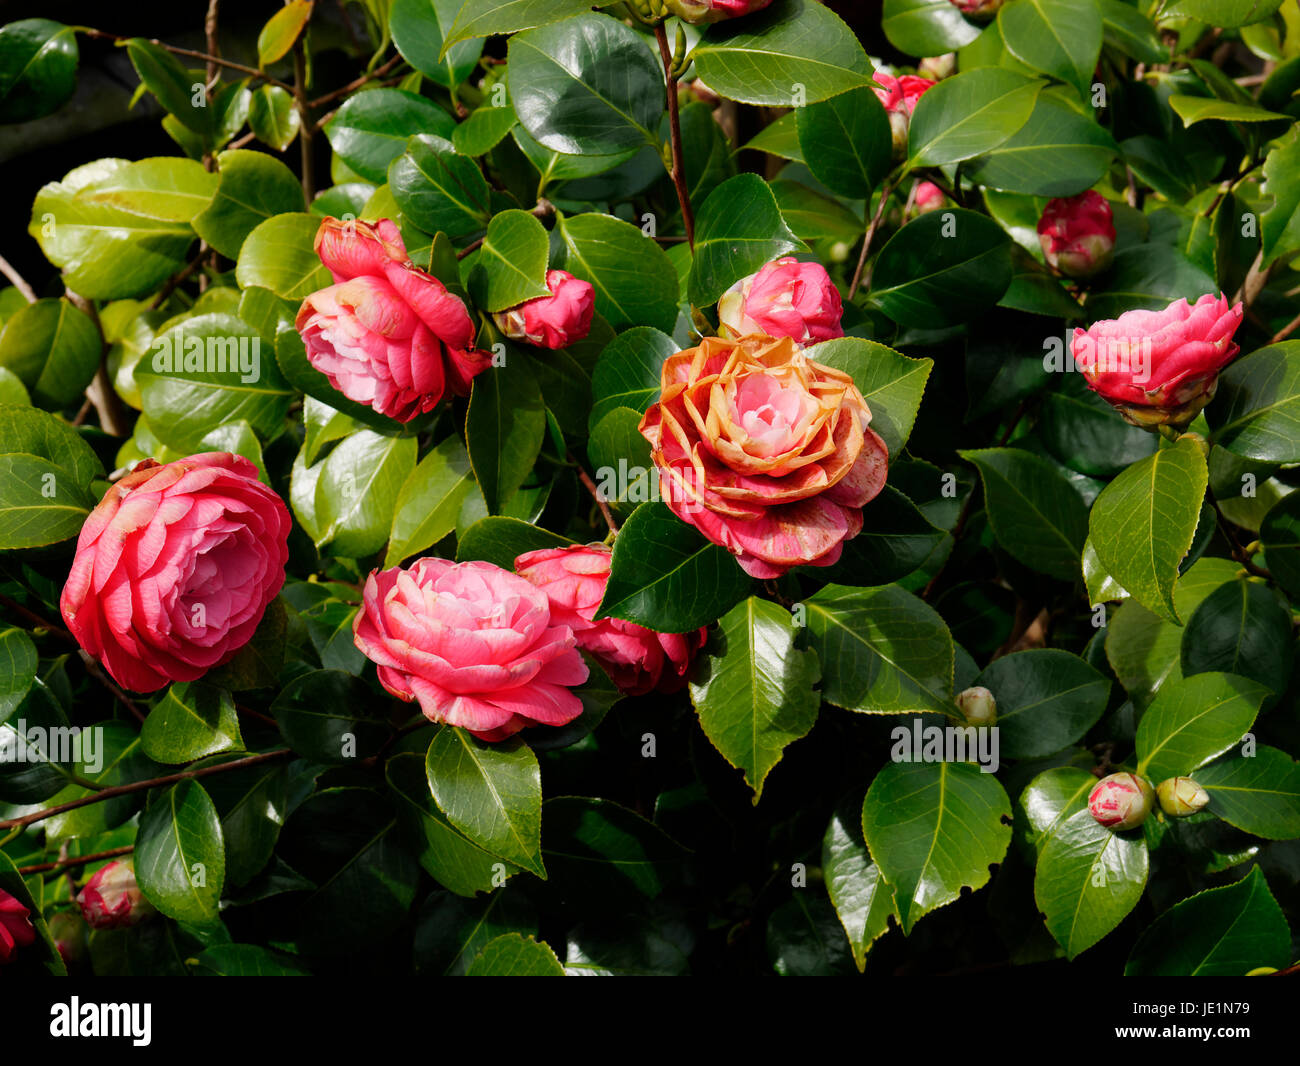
[177, 50]
[1286, 330]
[590, 486]
[79, 860]
[113, 418]
[1238, 552]
[356, 83]
[306, 128]
[19, 282]
[675, 135]
[886, 191]
[139, 786]
[176, 279]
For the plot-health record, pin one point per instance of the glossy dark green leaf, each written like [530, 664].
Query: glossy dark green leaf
[803, 938]
[1222, 932]
[54, 350]
[17, 669]
[969, 114]
[1058, 37]
[667, 577]
[846, 141]
[252, 804]
[247, 960]
[1046, 700]
[1256, 412]
[38, 68]
[628, 372]
[486, 17]
[1083, 431]
[934, 829]
[504, 429]
[451, 931]
[1194, 719]
[501, 540]
[178, 93]
[254, 186]
[926, 27]
[357, 490]
[1226, 13]
[513, 955]
[438, 190]
[429, 501]
[862, 898]
[322, 715]
[1242, 628]
[485, 128]
[1149, 277]
[273, 118]
[180, 860]
[419, 28]
[371, 128]
[511, 264]
[191, 721]
[1259, 794]
[896, 539]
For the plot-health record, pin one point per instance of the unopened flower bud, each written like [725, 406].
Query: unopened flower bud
[1121, 801]
[1077, 234]
[112, 899]
[1181, 796]
[705, 11]
[978, 9]
[928, 197]
[898, 96]
[938, 67]
[69, 931]
[553, 321]
[978, 705]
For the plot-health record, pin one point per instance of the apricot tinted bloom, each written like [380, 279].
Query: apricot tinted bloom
[764, 451]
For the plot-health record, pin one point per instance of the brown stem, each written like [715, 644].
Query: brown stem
[177, 50]
[1256, 279]
[80, 860]
[113, 418]
[19, 282]
[1286, 330]
[306, 128]
[139, 786]
[590, 486]
[675, 135]
[543, 209]
[886, 191]
[176, 279]
[356, 83]
[1238, 552]
[35, 619]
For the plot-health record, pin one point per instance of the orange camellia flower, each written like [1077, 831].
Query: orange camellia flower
[764, 451]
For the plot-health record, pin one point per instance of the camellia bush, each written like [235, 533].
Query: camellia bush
[678, 486]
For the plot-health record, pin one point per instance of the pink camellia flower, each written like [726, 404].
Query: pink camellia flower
[474, 644]
[899, 97]
[386, 333]
[552, 321]
[928, 197]
[1078, 234]
[112, 899]
[764, 451]
[175, 567]
[639, 660]
[786, 298]
[978, 9]
[1121, 801]
[16, 929]
[704, 11]
[1159, 367]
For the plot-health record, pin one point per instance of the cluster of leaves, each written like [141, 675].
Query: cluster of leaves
[1129, 602]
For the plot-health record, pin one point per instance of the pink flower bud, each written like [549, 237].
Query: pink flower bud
[1121, 801]
[553, 321]
[978, 9]
[112, 899]
[899, 97]
[1159, 367]
[786, 298]
[1181, 796]
[704, 11]
[928, 197]
[16, 929]
[1078, 234]
[978, 705]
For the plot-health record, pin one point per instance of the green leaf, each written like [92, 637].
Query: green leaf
[891, 383]
[513, 955]
[438, 190]
[1193, 109]
[180, 859]
[602, 852]
[738, 229]
[1132, 32]
[322, 716]
[451, 858]
[504, 430]
[629, 371]
[1149, 278]
[429, 501]
[490, 792]
[1241, 628]
[759, 59]
[896, 539]
[1256, 413]
[1081, 430]
[280, 255]
[281, 30]
[1192, 720]
[934, 829]
[1279, 226]
[1088, 878]
[1226, 13]
[419, 28]
[171, 190]
[882, 650]
[247, 960]
[780, 138]
[173, 85]
[926, 27]
[1058, 152]
[54, 350]
[502, 540]
[485, 128]
[1058, 37]
[487, 17]
[666, 577]
[588, 85]
[1143, 523]
[38, 68]
[511, 265]
[358, 489]
[1259, 795]
[846, 141]
[969, 114]
[803, 938]
[1223, 932]
[862, 899]
[1049, 799]
[450, 931]
[371, 128]
[634, 280]
[1047, 699]
[191, 721]
[291, 358]
[254, 186]
[273, 118]
[754, 690]
[37, 433]
[252, 804]
[29, 516]
[1279, 533]
[943, 268]
[1035, 513]
[17, 669]
[184, 399]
